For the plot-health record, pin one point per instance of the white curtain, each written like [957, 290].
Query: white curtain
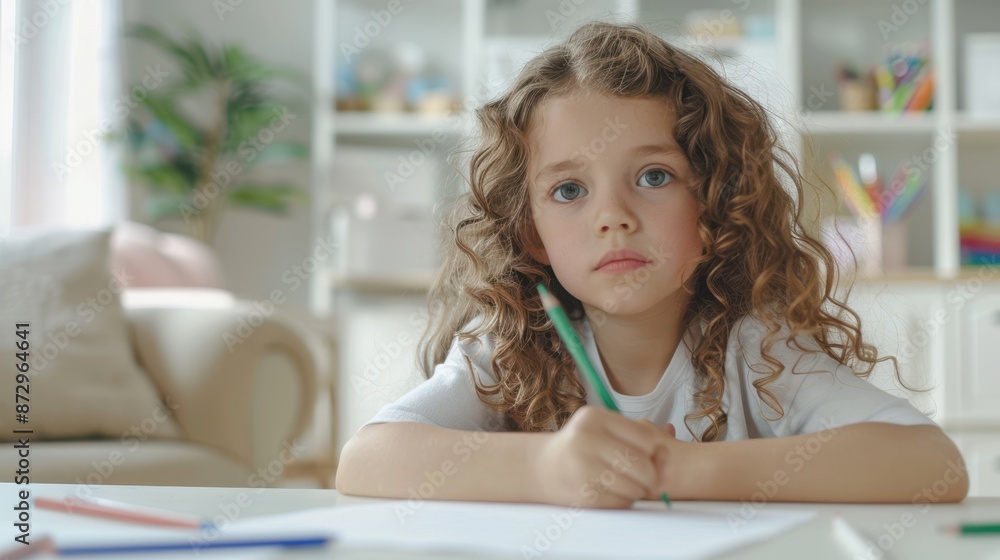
[65, 85]
[8, 13]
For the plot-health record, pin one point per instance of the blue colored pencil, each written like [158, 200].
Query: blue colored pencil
[908, 195]
[132, 548]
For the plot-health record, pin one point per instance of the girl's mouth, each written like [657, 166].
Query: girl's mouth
[624, 265]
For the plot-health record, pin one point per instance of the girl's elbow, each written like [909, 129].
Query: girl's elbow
[345, 482]
[956, 477]
[951, 480]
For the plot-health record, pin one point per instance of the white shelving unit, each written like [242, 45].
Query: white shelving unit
[469, 37]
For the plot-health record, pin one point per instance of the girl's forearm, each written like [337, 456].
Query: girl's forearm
[421, 461]
[871, 462]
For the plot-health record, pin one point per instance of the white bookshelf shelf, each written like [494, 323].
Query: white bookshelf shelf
[874, 122]
[981, 124]
[373, 123]
[415, 282]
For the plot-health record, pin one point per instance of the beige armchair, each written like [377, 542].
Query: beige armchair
[242, 385]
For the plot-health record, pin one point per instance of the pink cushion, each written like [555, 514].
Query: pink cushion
[152, 258]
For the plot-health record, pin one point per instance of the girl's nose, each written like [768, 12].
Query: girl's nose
[614, 214]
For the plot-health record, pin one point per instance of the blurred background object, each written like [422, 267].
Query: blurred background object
[157, 259]
[982, 83]
[191, 143]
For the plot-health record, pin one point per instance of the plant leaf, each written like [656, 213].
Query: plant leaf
[188, 136]
[188, 59]
[269, 198]
[207, 67]
[165, 176]
[245, 123]
[279, 151]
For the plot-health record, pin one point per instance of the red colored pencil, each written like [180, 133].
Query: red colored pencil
[110, 509]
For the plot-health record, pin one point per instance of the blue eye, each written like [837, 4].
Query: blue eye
[656, 177]
[570, 191]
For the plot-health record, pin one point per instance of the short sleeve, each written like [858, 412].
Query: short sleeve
[816, 392]
[449, 399]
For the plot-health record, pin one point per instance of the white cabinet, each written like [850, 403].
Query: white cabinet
[377, 358]
[946, 337]
[981, 451]
[979, 345]
[904, 320]
[983, 461]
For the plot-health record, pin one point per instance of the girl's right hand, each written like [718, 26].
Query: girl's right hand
[599, 459]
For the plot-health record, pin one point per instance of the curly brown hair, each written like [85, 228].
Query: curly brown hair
[757, 257]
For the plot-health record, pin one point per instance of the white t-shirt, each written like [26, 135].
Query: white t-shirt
[832, 396]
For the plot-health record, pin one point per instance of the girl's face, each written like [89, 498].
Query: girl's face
[610, 200]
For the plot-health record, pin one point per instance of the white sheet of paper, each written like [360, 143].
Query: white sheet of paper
[533, 531]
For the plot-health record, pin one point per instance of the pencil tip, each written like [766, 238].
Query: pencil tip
[666, 500]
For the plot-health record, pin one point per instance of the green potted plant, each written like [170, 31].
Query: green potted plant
[194, 138]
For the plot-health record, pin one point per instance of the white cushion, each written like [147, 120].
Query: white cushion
[148, 463]
[83, 377]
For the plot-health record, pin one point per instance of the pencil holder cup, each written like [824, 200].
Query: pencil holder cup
[857, 95]
[894, 245]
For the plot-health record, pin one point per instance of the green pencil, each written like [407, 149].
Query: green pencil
[974, 528]
[572, 342]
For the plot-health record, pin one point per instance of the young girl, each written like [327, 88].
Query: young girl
[645, 192]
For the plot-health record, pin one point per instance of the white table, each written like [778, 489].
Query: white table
[813, 540]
